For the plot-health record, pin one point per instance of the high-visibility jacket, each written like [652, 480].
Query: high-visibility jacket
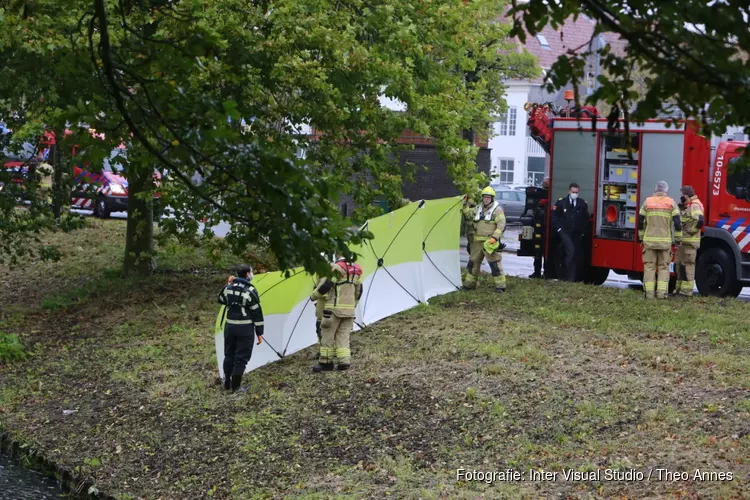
[489, 222]
[690, 214]
[659, 211]
[244, 313]
[343, 290]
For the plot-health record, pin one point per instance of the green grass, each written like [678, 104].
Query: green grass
[546, 376]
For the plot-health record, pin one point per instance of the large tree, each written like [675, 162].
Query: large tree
[178, 70]
[175, 79]
[692, 54]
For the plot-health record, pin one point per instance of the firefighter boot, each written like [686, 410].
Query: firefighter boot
[498, 277]
[470, 283]
[227, 382]
[236, 382]
[343, 366]
[323, 367]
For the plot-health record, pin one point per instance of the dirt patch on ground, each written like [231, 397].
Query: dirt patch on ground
[121, 388]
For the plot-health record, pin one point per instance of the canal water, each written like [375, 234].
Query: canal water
[17, 483]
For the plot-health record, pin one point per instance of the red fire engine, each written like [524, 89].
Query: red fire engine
[616, 175]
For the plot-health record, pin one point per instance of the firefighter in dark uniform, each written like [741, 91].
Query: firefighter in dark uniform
[244, 321]
[570, 220]
[540, 227]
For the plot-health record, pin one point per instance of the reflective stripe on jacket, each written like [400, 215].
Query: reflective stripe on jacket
[691, 233]
[489, 222]
[658, 210]
[342, 291]
[243, 305]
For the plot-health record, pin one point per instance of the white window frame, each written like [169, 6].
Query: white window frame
[505, 176]
[508, 122]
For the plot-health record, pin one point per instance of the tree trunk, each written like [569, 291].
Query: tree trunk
[58, 164]
[140, 257]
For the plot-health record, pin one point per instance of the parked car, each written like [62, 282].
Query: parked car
[512, 187]
[513, 203]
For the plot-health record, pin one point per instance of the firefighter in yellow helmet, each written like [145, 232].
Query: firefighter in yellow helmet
[691, 213]
[489, 226]
[340, 293]
[657, 216]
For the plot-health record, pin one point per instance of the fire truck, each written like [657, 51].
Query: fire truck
[103, 191]
[616, 175]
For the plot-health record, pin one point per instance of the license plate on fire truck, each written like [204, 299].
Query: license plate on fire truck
[528, 233]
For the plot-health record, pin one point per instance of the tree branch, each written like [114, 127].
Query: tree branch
[104, 46]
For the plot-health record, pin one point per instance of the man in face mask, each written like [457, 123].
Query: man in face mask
[244, 318]
[570, 220]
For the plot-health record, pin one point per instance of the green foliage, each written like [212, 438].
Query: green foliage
[178, 71]
[42, 78]
[691, 55]
[11, 348]
[307, 75]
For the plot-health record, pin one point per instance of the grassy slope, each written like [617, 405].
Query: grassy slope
[547, 376]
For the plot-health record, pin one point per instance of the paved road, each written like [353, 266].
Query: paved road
[513, 265]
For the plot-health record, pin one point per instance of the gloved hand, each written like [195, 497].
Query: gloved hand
[490, 247]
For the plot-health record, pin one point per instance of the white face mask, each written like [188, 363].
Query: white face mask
[573, 196]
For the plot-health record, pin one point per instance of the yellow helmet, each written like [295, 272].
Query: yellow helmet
[488, 191]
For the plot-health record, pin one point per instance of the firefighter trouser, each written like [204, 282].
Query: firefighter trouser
[656, 272]
[334, 339]
[538, 248]
[538, 255]
[494, 259]
[684, 264]
[237, 351]
[468, 250]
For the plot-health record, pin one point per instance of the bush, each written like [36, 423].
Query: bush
[11, 348]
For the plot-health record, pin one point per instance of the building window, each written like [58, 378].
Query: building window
[535, 170]
[543, 41]
[508, 122]
[506, 171]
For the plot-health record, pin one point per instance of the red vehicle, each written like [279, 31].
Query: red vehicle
[617, 175]
[104, 192]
